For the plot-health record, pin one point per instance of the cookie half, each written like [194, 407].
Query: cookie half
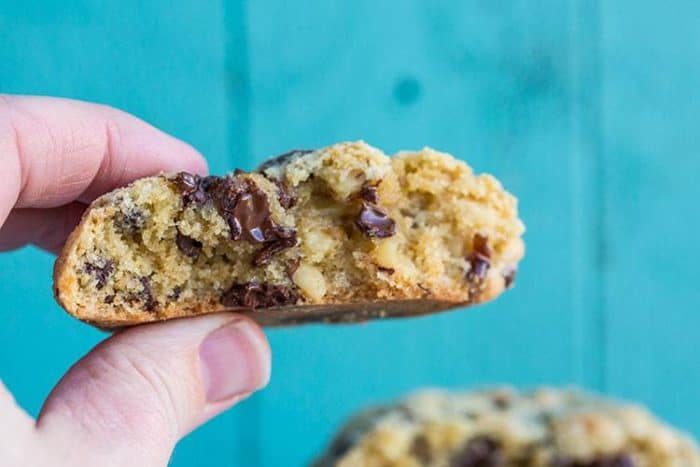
[340, 234]
[505, 428]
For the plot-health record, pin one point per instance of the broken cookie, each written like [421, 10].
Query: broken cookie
[340, 234]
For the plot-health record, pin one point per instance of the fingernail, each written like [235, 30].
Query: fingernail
[235, 360]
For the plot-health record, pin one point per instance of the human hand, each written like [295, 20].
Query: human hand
[130, 399]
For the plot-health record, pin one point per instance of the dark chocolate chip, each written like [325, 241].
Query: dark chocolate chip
[207, 182]
[192, 188]
[341, 446]
[283, 159]
[100, 273]
[187, 182]
[389, 271]
[479, 268]
[407, 413]
[420, 449]
[616, 460]
[479, 259]
[109, 299]
[284, 196]
[129, 223]
[258, 295]
[188, 245]
[146, 294]
[501, 401]
[175, 294]
[272, 248]
[369, 193]
[479, 452]
[374, 222]
[344, 443]
[509, 275]
[480, 246]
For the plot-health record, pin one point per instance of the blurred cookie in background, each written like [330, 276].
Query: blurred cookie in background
[502, 427]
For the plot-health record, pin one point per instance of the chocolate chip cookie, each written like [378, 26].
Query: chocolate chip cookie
[344, 233]
[505, 428]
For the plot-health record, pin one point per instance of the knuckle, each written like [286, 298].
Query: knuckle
[144, 383]
[117, 390]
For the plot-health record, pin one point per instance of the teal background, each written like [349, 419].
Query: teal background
[587, 109]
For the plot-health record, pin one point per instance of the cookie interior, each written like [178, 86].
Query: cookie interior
[344, 224]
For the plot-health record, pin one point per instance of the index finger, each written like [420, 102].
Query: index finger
[54, 151]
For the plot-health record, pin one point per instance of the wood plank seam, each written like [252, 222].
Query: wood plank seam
[588, 191]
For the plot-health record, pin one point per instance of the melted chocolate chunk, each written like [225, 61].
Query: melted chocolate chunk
[100, 273]
[146, 294]
[374, 222]
[389, 271]
[283, 158]
[188, 245]
[479, 452]
[256, 295]
[369, 194]
[509, 275]
[192, 188]
[618, 460]
[109, 299]
[246, 209]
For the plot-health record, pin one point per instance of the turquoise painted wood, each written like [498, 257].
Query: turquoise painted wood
[490, 83]
[585, 109]
[651, 151]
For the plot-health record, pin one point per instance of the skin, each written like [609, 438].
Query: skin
[131, 398]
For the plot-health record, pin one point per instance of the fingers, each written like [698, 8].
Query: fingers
[16, 428]
[136, 394]
[54, 151]
[45, 228]
[13, 417]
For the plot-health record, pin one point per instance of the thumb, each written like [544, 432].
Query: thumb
[136, 394]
